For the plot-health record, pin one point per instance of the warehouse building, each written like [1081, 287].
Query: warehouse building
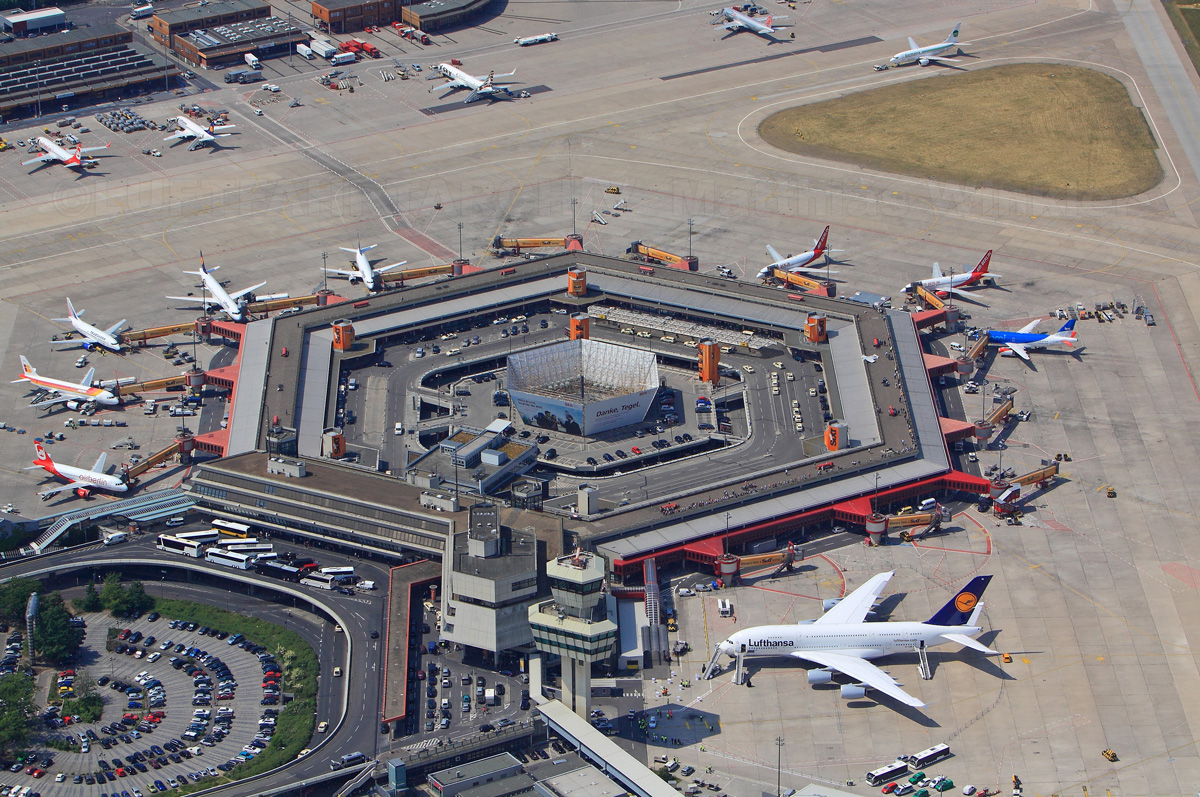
[351, 16]
[227, 45]
[441, 14]
[169, 23]
[22, 23]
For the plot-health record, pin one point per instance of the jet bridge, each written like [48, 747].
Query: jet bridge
[818, 287]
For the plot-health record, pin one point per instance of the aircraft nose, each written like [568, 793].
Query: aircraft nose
[726, 647]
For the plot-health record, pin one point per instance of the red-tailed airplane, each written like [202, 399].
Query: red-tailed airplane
[944, 286]
[55, 153]
[81, 480]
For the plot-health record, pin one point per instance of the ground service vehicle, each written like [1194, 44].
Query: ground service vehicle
[545, 37]
[116, 538]
[304, 52]
[927, 758]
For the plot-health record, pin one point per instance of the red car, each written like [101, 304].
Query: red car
[420, 675]
[891, 787]
[636, 450]
[37, 773]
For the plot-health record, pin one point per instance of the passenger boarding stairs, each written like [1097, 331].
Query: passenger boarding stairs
[144, 507]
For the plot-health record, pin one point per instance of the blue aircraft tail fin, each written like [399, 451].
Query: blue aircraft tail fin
[958, 610]
[1067, 327]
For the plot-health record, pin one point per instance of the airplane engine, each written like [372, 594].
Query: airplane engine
[354, 280]
[1005, 352]
[923, 61]
[89, 346]
[829, 603]
[853, 691]
[943, 294]
[74, 405]
[816, 677]
[83, 492]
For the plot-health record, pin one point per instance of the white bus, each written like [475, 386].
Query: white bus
[178, 546]
[253, 549]
[320, 580]
[236, 541]
[238, 561]
[929, 757]
[231, 528]
[202, 537]
[337, 571]
[887, 774]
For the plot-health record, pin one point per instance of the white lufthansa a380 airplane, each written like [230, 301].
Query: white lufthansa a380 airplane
[840, 640]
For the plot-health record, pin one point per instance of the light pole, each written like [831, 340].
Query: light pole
[726, 533]
[37, 65]
[460, 226]
[690, 223]
[778, 766]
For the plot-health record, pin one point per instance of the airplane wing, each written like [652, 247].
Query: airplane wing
[1032, 325]
[100, 460]
[92, 149]
[506, 74]
[42, 159]
[179, 135]
[50, 402]
[775, 256]
[862, 671]
[386, 269]
[64, 487]
[337, 272]
[966, 641]
[115, 328]
[853, 608]
[219, 127]
[734, 26]
[194, 300]
[270, 297]
[937, 271]
[812, 270]
[244, 291]
[1019, 350]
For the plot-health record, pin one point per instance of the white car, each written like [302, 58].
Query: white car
[270, 87]
[399, 428]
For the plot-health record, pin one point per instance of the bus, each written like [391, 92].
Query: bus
[178, 546]
[231, 529]
[238, 561]
[237, 541]
[319, 580]
[337, 571]
[929, 757]
[253, 549]
[892, 771]
[276, 570]
[202, 537]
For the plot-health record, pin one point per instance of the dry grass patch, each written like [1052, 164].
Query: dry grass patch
[1043, 129]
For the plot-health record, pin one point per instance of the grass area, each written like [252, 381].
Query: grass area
[1043, 129]
[294, 726]
[1186, 19]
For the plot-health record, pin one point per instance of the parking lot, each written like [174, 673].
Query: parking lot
[179, 707]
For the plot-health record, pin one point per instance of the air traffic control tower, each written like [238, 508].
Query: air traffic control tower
[575, 624]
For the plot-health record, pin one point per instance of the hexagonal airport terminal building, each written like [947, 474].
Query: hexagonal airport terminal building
[582, 387]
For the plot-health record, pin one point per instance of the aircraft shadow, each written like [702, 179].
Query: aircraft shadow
[909, 712]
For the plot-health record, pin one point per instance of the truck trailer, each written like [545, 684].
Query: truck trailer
[322, 48]
[367, 48]
[343, 58]
[252, 61]
[304, 52]
[250, 76]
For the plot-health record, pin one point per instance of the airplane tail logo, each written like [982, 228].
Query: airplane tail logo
[202, 268]
[76, 159]
[768, 22]
[212, 127]
[823, 241]
[953, 37]
[26, 368]
[1069, 329]
[487, 84]
[42, 457]
[983, 264]
[71, 310]
[958, 610]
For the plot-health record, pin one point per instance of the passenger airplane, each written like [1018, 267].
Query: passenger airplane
[202, 135]
[737, 21]
[81, 480]
[840, 639]
[63, 390]
[363, 271]
[944, 286]
[1019, 343]
[55, 153]
[93, 336]
[799, 264]
[481, 87]
[930, 53]
[232, 303]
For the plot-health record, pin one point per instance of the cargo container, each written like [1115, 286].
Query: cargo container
[304, 52]
[322, 48]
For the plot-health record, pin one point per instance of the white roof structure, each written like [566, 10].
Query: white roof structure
[583, 371]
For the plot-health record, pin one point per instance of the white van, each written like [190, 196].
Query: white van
[365, 585]
[927, 504]
[176, 521]
[116, 537]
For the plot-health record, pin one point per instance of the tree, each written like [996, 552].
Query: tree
[90, 602]
[54, 637]
[14, 596]
[136, 598]
[16, 705]
[113, 595]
